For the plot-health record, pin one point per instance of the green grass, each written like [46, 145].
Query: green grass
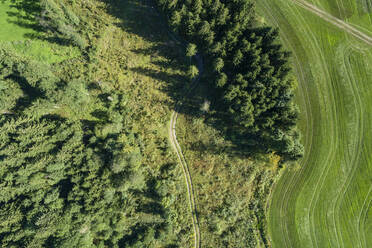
[231, 188]
[136, 54]
[9, 29]
[327, 201]
[358, 13]
[16, 30]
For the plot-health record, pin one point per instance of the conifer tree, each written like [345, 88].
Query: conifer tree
[251, 69]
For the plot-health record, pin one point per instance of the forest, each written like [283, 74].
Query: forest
[70, 169]
[67, 161]
[249, 68]
[84, 161]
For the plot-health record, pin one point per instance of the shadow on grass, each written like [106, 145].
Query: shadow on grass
[28, 15]
[141, 18]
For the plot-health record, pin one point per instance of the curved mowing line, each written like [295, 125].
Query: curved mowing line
[355, 154]
[331, 155]
[309, 134]
[360, 145]
[330, 97]
[335, 21]
[360, 225]
[360, 113]
[295, 181]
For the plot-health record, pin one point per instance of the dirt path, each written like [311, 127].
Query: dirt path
[335, 21]
[176, 146]
[172, 126]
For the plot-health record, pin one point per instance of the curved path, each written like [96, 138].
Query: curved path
[335, 21]
[176, 146]
[172, 129]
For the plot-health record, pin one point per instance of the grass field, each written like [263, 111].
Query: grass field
[9, 29]
[358, 13]
[16, 29]
[326, 202]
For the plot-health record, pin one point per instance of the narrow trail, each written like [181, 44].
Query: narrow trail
[176, 146]
[173, 122]
[335, 21]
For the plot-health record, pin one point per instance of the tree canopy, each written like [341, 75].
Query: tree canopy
[249, 67]
[70, 169]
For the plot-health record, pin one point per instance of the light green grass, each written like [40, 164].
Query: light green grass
[9, 30]
[355, 12]
[44, 51]
[327, 201]
[14, 33]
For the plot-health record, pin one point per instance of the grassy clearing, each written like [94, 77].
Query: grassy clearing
[17, 29]
[137, 55]
[130, 50]
[231, 188]
[326, 202]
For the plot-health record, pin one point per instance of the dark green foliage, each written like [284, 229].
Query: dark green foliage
[70, 169]
[191, 50]
[193, 71]
[250, 69]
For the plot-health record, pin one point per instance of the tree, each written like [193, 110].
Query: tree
[250, 67]
[70, 176]
[191, 51]
[221, 80]
[238, 58]
[193, 71]
[176, 18]
[218, 64]
[197, 6]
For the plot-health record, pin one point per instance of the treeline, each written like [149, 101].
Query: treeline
[70, 168]
[249, 67]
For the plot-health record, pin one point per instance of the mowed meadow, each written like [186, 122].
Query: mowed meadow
[326, 200]
[357, 13]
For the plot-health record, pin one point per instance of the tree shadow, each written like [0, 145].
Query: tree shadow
[25, 14]
[30, 93]
[141, 18]
[28, 15]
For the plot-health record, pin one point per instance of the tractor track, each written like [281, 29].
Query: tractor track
[335, 21]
